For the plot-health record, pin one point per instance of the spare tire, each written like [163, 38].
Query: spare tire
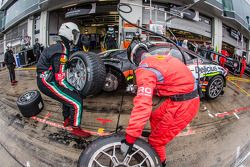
[86, 73]
[105, 151]
[30, 103]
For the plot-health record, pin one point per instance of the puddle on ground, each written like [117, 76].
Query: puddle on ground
[64, 137]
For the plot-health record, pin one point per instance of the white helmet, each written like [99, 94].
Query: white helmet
[70, 31]
[8, 45]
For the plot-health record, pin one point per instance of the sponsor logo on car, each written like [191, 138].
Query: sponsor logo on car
[205, 70]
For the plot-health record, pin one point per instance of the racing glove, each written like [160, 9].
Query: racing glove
[126, 148]
[70, 64]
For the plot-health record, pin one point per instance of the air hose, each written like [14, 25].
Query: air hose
[144, 29]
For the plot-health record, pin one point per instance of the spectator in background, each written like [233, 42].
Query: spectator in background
[185, 44]
[223, 60]
[102, 36]
[37, 49]
[243, 65]
[9, 61]
[179, 43]
[110, 39]
[93, 41]
[202, 49]
[196, 46]
[209, 52]
[192, 46]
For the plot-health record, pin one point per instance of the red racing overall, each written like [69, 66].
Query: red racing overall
[243, 66]
[164, 76]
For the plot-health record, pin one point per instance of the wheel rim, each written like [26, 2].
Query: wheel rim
[27, 96]
[111, 156]
[215, 88]
[77, 75]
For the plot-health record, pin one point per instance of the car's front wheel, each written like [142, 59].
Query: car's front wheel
[215, 87]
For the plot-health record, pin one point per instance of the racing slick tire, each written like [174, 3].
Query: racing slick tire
[86, 73]
[106, 152]
[30, 103]
[215, 87]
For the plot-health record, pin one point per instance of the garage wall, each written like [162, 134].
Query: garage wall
[1, 50]
[53, 23]
[191, 26]
[133, 17]
[232, 41]
[202, 27]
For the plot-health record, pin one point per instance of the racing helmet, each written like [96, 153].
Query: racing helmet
[135, 51]
[70, 31]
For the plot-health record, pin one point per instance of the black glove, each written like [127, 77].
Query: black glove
[71, 64]
[68, 64]
[126, 148]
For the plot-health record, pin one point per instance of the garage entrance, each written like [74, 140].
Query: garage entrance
[98, 24]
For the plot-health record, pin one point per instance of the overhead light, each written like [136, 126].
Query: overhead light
[113, 13]
[74, 4]
[97, 25]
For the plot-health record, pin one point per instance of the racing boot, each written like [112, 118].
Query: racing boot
[164, 163]
[66, 122]
[77, 131]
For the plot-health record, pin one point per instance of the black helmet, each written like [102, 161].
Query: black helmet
[135, 51]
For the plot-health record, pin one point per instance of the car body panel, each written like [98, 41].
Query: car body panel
[247, 70]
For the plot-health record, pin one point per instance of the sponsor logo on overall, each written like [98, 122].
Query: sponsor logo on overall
[144, 91]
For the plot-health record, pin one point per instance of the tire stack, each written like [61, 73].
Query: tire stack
[30, 103]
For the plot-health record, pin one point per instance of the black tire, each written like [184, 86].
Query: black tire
[210, 87]
[96, 72]
[86, 156]
[30, 103]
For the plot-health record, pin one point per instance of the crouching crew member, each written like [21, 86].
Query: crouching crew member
[51, 77]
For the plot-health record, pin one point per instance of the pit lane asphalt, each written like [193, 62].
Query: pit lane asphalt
[218, 136]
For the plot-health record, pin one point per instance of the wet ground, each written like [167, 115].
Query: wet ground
[218, 136]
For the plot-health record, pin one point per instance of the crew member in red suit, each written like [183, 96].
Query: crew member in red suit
[223, 59]
[243, 66]
[161, 75]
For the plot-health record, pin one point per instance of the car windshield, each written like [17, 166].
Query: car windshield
[171, 51]
[161, 51]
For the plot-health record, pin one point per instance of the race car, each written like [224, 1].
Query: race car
[120, 72]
